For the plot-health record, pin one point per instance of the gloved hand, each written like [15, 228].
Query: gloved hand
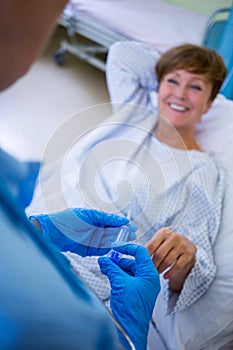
[83, 231]
[135, 285]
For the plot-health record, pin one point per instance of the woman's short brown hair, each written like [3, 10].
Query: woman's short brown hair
[195, 59]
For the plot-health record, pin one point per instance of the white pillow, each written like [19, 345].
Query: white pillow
[215, 133]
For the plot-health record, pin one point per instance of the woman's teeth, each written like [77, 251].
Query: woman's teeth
[178, 108]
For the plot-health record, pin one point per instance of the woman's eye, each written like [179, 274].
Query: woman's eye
[196, 87]
[172, 81]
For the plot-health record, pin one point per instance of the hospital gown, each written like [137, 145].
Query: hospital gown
[121, 167]
[131, 79]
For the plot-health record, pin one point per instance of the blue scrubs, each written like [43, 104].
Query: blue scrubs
[43, 305]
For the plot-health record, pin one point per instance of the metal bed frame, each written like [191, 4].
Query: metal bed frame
[100, 37]
[219, 37]
[215, 27]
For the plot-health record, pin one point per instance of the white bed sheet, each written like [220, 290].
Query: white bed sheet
[153, 21]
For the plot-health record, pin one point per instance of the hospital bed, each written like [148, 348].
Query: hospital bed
[105, 22]
[100, 38]
[208, 323]
[156, 22]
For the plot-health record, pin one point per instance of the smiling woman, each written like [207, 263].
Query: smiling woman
[182, 99]
[172, 183]
[189, 78]
[179, 87]
[196, 59]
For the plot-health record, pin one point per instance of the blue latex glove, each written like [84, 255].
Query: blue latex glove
[135, 285]
[83, 231]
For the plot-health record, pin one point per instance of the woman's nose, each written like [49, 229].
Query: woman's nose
[181, 91]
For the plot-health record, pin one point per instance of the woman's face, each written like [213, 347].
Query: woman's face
[183, 97]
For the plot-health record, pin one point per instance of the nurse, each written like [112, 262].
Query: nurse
[43, 305]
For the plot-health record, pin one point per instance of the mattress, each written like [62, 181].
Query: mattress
[153, 21]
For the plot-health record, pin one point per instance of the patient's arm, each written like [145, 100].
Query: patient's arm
[130, 73]
[174, 252]
[199, 227]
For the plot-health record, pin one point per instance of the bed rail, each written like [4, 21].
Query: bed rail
[100, 39]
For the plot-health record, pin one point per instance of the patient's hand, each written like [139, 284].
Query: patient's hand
[169, 249]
